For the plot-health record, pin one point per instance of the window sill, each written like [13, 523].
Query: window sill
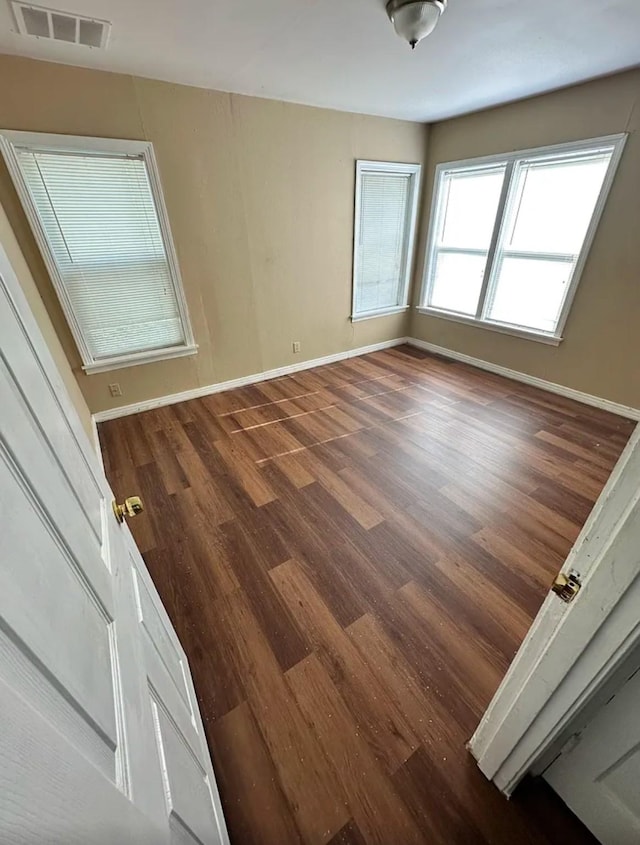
[526, 334]
[139, 358]
[370, 315]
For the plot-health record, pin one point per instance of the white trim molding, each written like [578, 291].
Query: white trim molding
[383, 312]
[154, 355]
[243, 381]
[9, 141]
[527, 334]
[378, 168]
[560, 389]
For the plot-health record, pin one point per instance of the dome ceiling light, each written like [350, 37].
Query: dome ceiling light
[415, 19]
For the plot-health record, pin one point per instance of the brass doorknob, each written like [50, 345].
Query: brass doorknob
[131, 507]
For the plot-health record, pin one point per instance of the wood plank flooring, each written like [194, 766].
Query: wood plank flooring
[351, 557]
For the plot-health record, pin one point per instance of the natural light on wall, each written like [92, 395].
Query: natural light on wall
[509, 235]
[94, 213]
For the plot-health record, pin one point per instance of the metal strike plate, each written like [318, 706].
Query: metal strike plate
[567, 586]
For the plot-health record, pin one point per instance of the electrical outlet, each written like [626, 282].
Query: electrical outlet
[115, 389]
[297, 346]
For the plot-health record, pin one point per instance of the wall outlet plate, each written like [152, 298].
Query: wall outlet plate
[115, 389]
[297, 346]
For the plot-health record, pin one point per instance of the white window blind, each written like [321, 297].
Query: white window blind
[384, 229]
[509, 235]
[98, 218]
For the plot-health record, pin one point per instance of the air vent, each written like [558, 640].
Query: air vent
[60, 26]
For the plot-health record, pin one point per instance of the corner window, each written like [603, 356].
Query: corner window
[384, 232]
[97, 211]
[509, 235]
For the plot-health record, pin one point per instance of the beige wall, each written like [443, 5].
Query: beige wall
[601, 350]
[20, 268]
[260, 199]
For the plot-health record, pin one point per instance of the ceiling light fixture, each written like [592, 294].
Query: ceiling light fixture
[415, 19]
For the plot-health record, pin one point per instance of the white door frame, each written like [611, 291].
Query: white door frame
[571, 650]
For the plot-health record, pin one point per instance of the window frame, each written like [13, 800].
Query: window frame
[414, 171]
[510, 161]
[9, 139]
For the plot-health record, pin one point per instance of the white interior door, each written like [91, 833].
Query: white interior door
[101, 738]
[600, 777]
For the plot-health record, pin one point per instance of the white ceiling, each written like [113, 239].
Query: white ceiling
[344, 54]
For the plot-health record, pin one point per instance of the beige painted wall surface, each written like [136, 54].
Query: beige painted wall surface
[23, 274]
[260, 199]
[601, 350]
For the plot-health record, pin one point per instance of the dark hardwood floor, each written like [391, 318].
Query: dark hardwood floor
[351, 557]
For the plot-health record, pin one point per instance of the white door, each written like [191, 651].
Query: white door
[101, 741]
[600, 777]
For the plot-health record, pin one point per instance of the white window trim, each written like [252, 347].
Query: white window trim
[509, 159]
[414, 171]
[8, 140]
[380, 312]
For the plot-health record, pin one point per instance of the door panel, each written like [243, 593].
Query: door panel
[193, 804]
[187, 788]
[51, 793]
[46, 593]
[101, 740]
[38, 465]
[44, 404]
[57, 583]
[158, 637]
[22, 672]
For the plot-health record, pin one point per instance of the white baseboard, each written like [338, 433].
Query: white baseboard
[195, 393]
[552, 387]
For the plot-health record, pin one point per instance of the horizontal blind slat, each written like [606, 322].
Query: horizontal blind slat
[382, 231]
[101, 224]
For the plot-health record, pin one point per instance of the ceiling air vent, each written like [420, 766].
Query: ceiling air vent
[60, 26]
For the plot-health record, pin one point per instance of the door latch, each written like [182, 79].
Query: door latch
[567, 586]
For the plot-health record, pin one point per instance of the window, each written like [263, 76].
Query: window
[509, 235]
[97, 211]
[384, 230]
